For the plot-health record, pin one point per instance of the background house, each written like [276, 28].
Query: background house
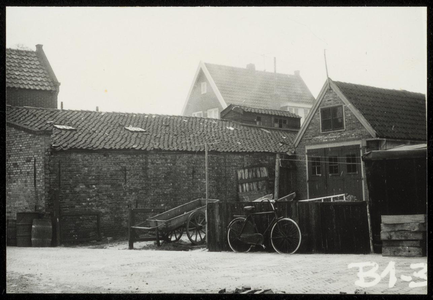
[269, 118]
[66, 161]
[214, 87]
[347, 121]
[30, 80]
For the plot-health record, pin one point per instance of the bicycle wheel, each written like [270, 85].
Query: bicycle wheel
[285, 236]
[233, 234]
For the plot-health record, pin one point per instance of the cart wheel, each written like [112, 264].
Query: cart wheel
[196, 227]
[175, 235]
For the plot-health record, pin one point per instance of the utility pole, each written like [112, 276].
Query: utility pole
[277, 176]
[207, 183]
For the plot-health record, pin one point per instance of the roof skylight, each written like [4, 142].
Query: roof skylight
[135, 129]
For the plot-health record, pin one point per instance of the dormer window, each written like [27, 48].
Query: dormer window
[332, 118]
[280, 123]
[203, 88]
[213, 113]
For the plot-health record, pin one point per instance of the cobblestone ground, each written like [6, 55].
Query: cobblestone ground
[84, 270]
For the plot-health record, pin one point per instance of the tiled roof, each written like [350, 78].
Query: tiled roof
[106, 130]
[392, 113]
[24, 70]
[241, 86]
[273, 112]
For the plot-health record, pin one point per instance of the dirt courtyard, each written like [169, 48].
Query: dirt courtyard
[115, 269]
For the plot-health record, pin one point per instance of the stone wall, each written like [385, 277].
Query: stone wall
[112, 182]
[25, 152]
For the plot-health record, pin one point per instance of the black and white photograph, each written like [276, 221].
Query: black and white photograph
[216, 150]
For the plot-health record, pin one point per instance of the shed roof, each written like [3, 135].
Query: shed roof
[264, 111]
[396, 114]
[26, 69]
[111, 130]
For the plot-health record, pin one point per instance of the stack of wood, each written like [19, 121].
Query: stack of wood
[403, 235]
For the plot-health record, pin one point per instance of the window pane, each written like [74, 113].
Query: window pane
[326, 125]
[351, 163]
[326, 113]
[338, 123]
[333, 165]
[315, 166]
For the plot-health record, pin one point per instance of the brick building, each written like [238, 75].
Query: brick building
[214, 87]
[66, 161]
[30, 80]
[347, 121]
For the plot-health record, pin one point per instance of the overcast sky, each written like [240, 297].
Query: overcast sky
[144, 59]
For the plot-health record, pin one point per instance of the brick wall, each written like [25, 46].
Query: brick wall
[112, 182]
[354, 131]
[34, 98]
[22, 148]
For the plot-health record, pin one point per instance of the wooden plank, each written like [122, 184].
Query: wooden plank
[402, 251]
[398, 219]
[402, 235]
[402, 243]
[403, 227]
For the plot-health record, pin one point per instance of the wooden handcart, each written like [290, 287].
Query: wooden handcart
[170, 225]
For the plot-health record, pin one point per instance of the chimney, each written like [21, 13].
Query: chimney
[61, 105]
[97, 108]
[297, 73]
[39, 48]
[251, 67]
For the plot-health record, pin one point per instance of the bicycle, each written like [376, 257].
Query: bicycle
[284, 233]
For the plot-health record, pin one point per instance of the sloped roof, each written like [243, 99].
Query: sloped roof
[241, 86]
[391, 113]
[106, 130]
[273, 112]
[25, 70]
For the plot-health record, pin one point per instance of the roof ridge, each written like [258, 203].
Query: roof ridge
[23, 50]
[378, 88]
[240, 68]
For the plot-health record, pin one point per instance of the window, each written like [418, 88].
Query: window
[333, 165]
[213, 113]
[258, 121]
[280, 123]
[203, 88]
[197, 114]
[315, 166]
[332, 118]
[351, 164]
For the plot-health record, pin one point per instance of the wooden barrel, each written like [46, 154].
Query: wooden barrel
[24, 228]
[42, 232]
[11, 232]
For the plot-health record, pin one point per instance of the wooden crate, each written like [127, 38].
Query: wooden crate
[403, 235]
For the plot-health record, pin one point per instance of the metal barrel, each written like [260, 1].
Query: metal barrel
[24, 228]
[11, 232]
[42, 232]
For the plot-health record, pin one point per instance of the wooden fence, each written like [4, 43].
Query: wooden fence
[327, 227]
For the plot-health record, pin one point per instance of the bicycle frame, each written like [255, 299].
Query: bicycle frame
[250, 217]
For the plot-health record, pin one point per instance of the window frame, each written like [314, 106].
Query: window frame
[213, 110]
[203, 87]
[333, 164]
[331, 119]
[197, 114]
[316, 165]
[352, 163]
[281, 122]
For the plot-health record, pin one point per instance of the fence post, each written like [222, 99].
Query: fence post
[130, 230]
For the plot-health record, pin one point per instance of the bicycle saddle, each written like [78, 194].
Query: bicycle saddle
[249, 208]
